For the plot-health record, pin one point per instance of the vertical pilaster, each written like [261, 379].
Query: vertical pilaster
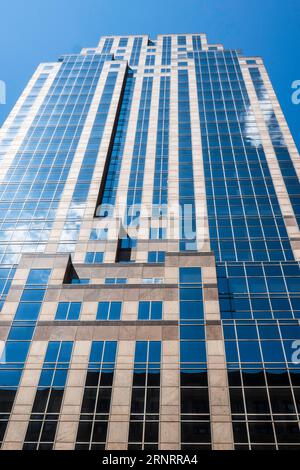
[198, 169]
[17, 141]
[278, 181]
[121, 397]
[170, 397]
[70, 411]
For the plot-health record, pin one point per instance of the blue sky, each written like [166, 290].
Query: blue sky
[35, 31]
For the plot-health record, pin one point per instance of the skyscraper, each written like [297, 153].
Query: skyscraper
[149, 250]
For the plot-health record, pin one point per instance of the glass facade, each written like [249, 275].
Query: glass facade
[113, 337]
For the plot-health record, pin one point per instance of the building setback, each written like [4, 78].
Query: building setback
[149, 250]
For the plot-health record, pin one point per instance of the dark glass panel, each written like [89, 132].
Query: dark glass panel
[103, 403]
[89, 400]
[281, 400]
[261, 432]
[195, 432]
[257, 400]
[237, 401]
[138, 400]
[135, 432]
[49, 430]
[84, 431]
[194, 400]
[151, 432]
[240, 432]
[100, 431]
[33, 431]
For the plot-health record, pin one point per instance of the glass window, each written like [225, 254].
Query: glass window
[68, 311]
[150, 310]
[109, 311]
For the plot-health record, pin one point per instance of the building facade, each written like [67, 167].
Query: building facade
[149, 250]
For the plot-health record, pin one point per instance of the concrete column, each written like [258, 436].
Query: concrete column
[21, 411]
[173, 174]
[169, 436]
[17, 141]
[219, 400]
[118, 427]
[271, 158]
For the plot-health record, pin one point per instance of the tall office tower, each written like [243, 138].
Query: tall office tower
[149, 251]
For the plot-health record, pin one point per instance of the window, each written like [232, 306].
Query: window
[150, 310]
[109, 311]
[156, 256]
[116, 280]
[76, 281]
[123, 42]
[94, 257]
[68, 311]
[124, 249]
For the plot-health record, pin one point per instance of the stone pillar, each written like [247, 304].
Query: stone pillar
[170, 397]
[219, 400]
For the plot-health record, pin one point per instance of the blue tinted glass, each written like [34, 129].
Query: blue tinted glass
[272, 351]
[115, 311]
[89, 257]
[152, 257]
[52, 351]
[99, 257]
[102, 312]
[156, 311]
[192, 332]
[110, 351]
[190, 294]
[60, 378]
[15, 351]
[10, 378]
[46, 378]
[247, 332]
[21, 333]
[65, 351]
[192, 310]
[249, 351]
[231, 351]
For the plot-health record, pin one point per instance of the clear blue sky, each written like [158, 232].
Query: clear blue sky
[34, 31]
